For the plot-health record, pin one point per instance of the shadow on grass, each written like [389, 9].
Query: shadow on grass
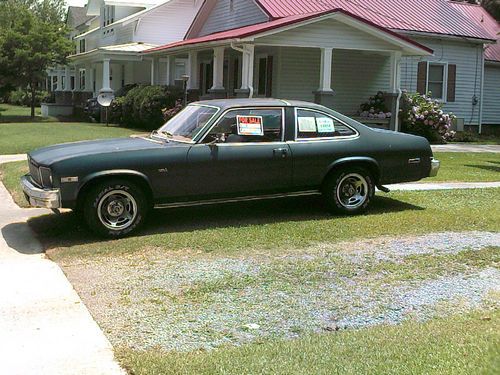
[68, 229]
[492, 168]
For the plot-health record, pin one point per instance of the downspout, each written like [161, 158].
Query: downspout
[482, 92]
[243, 51]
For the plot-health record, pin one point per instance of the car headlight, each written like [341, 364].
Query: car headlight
[46, 176]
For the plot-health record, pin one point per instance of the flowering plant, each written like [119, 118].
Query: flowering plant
[375, 108]
[424, 116]
[168, 113]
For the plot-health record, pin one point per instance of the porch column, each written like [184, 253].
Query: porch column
[247, 67]
[77, 79]
[218, 90]
[394, 96]
[192, 69]
[88, 82]
[154, 68]
[324, 95]
[166, 61]
[105, 75]
[59, 86]
[67, 79]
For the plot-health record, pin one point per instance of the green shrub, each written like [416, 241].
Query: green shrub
[142, 106]
[23, 97]
[421, 115]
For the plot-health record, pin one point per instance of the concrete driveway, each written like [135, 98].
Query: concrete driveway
[44, 326]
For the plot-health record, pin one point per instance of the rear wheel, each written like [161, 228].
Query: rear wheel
[115, 208]
[349, 190]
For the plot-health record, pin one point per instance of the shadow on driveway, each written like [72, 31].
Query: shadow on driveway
[19, 237]
[68, 229]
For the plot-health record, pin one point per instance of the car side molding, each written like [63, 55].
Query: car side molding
[114, 173]
[353, 159]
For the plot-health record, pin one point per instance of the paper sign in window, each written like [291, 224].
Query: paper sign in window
[250, 125]
[307, 125]
[325, 125]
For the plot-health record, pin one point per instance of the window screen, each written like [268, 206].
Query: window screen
[249, 125]
[435, 81]
[312, 124]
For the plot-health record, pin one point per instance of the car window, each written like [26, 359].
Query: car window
[312, 124]
[248, 125]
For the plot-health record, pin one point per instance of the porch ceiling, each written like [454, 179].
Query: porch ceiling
[363, 34]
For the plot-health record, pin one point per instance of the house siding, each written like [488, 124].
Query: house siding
[298, 76]
[328, 33]
[468, 58]
[491, 103]
[244, 13]
[168, 23]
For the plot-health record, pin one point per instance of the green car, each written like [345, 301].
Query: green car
[225, 150]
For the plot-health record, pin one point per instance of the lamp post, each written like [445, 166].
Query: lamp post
[185, 79]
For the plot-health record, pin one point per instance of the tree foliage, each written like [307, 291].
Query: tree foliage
[33, 37]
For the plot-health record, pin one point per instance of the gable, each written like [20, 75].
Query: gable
[329, 33]
[221, 15]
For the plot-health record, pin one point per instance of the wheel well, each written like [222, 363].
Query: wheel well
[369, 166]
[137, 180]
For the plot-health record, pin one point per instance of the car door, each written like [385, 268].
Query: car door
[320, 139]
[243, 154]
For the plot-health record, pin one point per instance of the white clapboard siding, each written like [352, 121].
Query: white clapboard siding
[167, 23]
[327, 33]
[298, 75]
[468, 59]
[491, 104]
[224, 17]
[125, 33]
[355, 76]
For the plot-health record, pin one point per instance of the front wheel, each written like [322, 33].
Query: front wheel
[349, 191]
[115, 208]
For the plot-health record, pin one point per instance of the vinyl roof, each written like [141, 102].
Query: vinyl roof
[259, 28]
[429, 16]
[485, 20]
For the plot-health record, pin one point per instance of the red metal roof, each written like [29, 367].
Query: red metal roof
[430, 16]
[482, 18]
[259, 28]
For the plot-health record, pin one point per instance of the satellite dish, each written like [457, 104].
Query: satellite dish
[105, 97]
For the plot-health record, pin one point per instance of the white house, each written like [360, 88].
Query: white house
[336, 52]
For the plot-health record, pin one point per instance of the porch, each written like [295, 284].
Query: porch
[332, 59]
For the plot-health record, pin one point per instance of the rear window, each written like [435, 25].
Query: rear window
[312, 124]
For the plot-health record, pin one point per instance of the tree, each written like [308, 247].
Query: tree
[33, 37]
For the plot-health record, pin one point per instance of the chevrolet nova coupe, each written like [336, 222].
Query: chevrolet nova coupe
[225, 150]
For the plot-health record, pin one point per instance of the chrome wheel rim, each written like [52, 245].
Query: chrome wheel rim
[117, 210]
[352, 191]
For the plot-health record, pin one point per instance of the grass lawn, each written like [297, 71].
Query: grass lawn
[18, 138]
[15, 113]
[467, 344]
[467, 167]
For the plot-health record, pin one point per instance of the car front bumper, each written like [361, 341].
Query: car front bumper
[435, 165]
[38, 197]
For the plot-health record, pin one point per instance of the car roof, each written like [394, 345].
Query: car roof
[257, 102]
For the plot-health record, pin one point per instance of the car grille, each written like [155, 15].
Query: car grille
[34, 172]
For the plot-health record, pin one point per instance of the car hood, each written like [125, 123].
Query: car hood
[52, 154]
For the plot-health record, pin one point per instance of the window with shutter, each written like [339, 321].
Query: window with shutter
[422, 77]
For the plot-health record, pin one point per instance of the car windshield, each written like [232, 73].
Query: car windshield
[184, 126]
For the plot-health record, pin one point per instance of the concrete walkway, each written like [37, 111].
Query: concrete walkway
[442, 186]
[44, 326]
[9, 158]
[466, 147]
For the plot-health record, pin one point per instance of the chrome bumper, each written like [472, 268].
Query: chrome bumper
[435, 164]
[38, 197]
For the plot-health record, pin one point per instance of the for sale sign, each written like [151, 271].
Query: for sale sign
[250, 125]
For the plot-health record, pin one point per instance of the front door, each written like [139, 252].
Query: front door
[243, 154]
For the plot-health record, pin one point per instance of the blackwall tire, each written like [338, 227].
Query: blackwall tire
[349, 191]
[115, 208]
